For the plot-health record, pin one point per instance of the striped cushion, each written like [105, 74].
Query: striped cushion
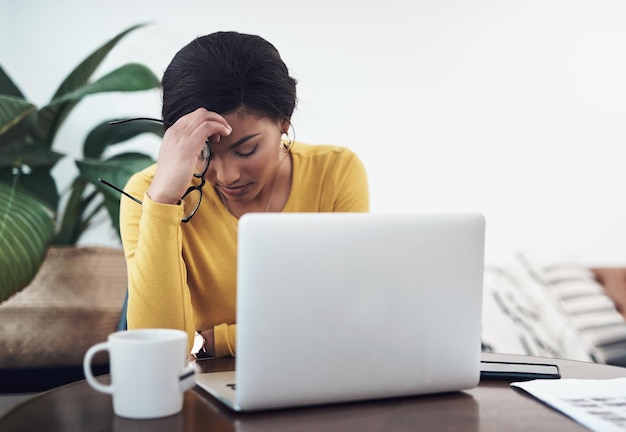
[558, 310]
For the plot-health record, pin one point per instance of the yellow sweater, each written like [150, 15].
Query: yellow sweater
[183, 275]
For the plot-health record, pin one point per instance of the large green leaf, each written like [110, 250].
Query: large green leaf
[21, 152]
[31, 155]
[21, 148]
[19, 141]
[52, 116]
[116, 170]
[72, 224]
[79, 76]
[39, 184]
[106, 134]
[7, 86]
[12, 111]
[83, 205]
[130, 77]
[26, 230]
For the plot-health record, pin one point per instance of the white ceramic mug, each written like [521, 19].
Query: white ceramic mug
[148, 372]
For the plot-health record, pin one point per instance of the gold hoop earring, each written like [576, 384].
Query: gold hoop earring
[287, 144]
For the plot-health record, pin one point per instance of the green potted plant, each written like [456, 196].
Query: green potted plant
[31, 217]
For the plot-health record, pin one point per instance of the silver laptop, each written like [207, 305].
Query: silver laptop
[338, 307]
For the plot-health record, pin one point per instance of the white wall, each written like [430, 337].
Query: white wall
[511, 108]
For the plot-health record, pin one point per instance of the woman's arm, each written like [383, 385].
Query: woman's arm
[151, 233]
[152, 239]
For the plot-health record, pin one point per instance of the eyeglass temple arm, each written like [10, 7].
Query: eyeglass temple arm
[116, 122]
[112, 186]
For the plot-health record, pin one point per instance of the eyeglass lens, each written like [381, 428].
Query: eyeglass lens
[203, 160]
[191, 202]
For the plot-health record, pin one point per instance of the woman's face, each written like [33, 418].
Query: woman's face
[243, 164]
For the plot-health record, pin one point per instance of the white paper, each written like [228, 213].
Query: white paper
[599, 405]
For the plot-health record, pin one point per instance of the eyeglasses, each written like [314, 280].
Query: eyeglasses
[192, 197]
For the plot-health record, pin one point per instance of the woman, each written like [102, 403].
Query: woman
[228, 99]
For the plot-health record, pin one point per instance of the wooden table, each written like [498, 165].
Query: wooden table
[492, 406]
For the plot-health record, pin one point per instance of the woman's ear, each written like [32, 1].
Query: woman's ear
[284, 126]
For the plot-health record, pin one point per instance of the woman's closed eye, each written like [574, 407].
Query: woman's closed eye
[246, 152]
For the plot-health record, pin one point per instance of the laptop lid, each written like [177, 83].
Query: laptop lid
[336, 307]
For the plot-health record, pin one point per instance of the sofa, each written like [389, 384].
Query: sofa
[555, 309]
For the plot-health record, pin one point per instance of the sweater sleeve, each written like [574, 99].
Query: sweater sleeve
[152, 238]
[225, 340]
[352, 193]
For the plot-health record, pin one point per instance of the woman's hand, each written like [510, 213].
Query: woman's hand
[178, 156]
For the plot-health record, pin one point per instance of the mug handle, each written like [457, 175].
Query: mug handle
[187, 378]
[93, 382]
